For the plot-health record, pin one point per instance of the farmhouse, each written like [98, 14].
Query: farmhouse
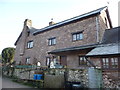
[66, 43]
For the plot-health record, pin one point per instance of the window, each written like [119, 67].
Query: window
[77, 36]
[110, 63]
[105, 62]
[106, 22]
[56, 61]
[28, 60]
[28, 33]
[30, 44]
[82, 61]
[38, 64]
[48, 60]
[52, 41]
[114, 62]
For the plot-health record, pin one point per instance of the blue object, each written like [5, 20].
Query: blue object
[35, 77]
[39, 76]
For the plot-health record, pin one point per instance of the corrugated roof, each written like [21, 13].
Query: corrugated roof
[108, 49]
[70, 20]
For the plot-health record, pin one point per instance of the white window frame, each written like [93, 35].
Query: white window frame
[28, 60]
[30, 44]
[52, 41]
[77, 36]
[114, 62]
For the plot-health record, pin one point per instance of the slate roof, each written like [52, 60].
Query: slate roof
[107, 49]
[98, 11]
[110, 44]
[111, 36]
[73, 48]
[31, 30]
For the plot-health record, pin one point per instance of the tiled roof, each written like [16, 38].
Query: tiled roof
[98, 11]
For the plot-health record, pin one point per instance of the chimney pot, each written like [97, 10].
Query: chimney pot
[51, 23]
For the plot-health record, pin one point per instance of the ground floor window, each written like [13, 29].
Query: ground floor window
[82, 61]
[110, 62]
[114, 62]
[28, 60]
[48, 60]
[56, 60]
[105, 62]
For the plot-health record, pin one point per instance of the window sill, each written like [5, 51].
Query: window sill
[52, 45]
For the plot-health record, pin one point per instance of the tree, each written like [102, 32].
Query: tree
[8, 55]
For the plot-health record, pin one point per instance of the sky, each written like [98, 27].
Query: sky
[14, 12]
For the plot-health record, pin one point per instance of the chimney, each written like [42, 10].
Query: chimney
[28, 23]
[51, 23]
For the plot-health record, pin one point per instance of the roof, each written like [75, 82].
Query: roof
[110, 44]
[73, 48]
[111, 36]
[107, 49]
[98, 11]
[31, 30]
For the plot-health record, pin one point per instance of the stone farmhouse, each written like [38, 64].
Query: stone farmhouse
[79, 42]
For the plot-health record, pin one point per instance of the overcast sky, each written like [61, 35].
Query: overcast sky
[14, 12]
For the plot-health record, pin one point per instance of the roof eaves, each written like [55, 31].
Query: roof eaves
[98, 11]
[18, 39]
[73, 48]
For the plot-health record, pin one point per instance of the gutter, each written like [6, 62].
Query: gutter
[97, 28]
[90, 62]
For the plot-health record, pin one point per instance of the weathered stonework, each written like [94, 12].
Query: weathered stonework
[93, 28]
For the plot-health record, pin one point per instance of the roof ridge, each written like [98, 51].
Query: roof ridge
[70, 20]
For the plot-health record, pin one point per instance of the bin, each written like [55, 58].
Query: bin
[35, 77]
[39, 76]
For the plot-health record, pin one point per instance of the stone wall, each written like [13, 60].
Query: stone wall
[109, 82]
[79, 75]
[61, 76]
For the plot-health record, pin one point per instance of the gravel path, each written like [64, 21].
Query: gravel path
[8, 83]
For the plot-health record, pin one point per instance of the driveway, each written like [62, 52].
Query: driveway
[8, 83]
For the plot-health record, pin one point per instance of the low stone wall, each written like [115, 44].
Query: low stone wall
[78, 75]
[110, 83]
[59, 76]
[54, 81]
[24, 74]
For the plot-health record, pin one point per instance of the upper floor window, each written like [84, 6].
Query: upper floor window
[28, 33]
[52, 41]
[30, 44]
[82, 61]
[77, 36]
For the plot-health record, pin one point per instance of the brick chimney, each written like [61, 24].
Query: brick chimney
[28, 23]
